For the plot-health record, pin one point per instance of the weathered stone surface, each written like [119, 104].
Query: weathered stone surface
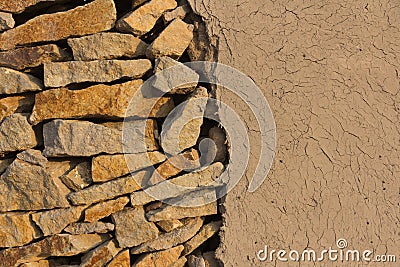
[42, 263]
[192, 181]
[168, 226]
[108, 190]
[108, 167]
[219, 138]
[16, 134]
[98, 101]
[143, 19]
[182, 129]
[136, 3]
[132, 228]
[29, 57]
[6, 21]
[53, 246]
[123, 259]
[54, 221]
[14, 82]
[33, 156]
[210, 259]
[16, 229]
[94, 17]
[173, 81]
[179, 263]
[82, 138]
[105, 209]
[188, 160]
[173, 41]
[107, 45]
[171, 239]
[79, 177]
[202, 236]
[17, 7]
[88, 228]
[4, 163]
[179, 12]
[168, 212]
[13, 104]
[57, 74]
[99, 256]
[159, 258]
[196, 261]
[25, 186]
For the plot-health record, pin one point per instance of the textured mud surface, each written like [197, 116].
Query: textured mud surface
[330, 72]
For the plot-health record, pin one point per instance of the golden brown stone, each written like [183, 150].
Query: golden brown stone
[29, 57]
[168, 226]
[99, 256]
[98, 101]
[15, 82]
[19, 6]
[94, 17]
[123, 259]
[13, 104]
[108, 167]
[57, 74]
[104, 209]
[132, 228]
[202, 236]
[53, 246]
[107, 45]
[143, 19]
[79, 177]
[159, 258]
[16, 229]
[173, 41]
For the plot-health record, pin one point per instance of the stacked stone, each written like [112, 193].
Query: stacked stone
[68, 197]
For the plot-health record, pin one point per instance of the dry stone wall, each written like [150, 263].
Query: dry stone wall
[68, 71]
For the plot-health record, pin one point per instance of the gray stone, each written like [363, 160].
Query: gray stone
[107, 45]
[182, 127]
[33, 157]
[16, 104]
[16, 134]
[14, 82]
[57, 74]
[132, 228]
[4, 164]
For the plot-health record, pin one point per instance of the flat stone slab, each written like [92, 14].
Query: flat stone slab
[82, 138]
[15, 82]
[57, 74]
[81, 228]
[108, 190]
[30, 57]
[109, 167]
[98, 101]
[14, 104]
[173, 41]
[206, 231]
[160, 258]
[19, 6]
[100, 255]
[107, 45]
[97, 16]
[105, 209]
[143, 19]
[123, 259]
[53, 246]
[171, 239]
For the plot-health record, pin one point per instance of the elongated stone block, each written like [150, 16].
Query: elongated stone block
[94, 17]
